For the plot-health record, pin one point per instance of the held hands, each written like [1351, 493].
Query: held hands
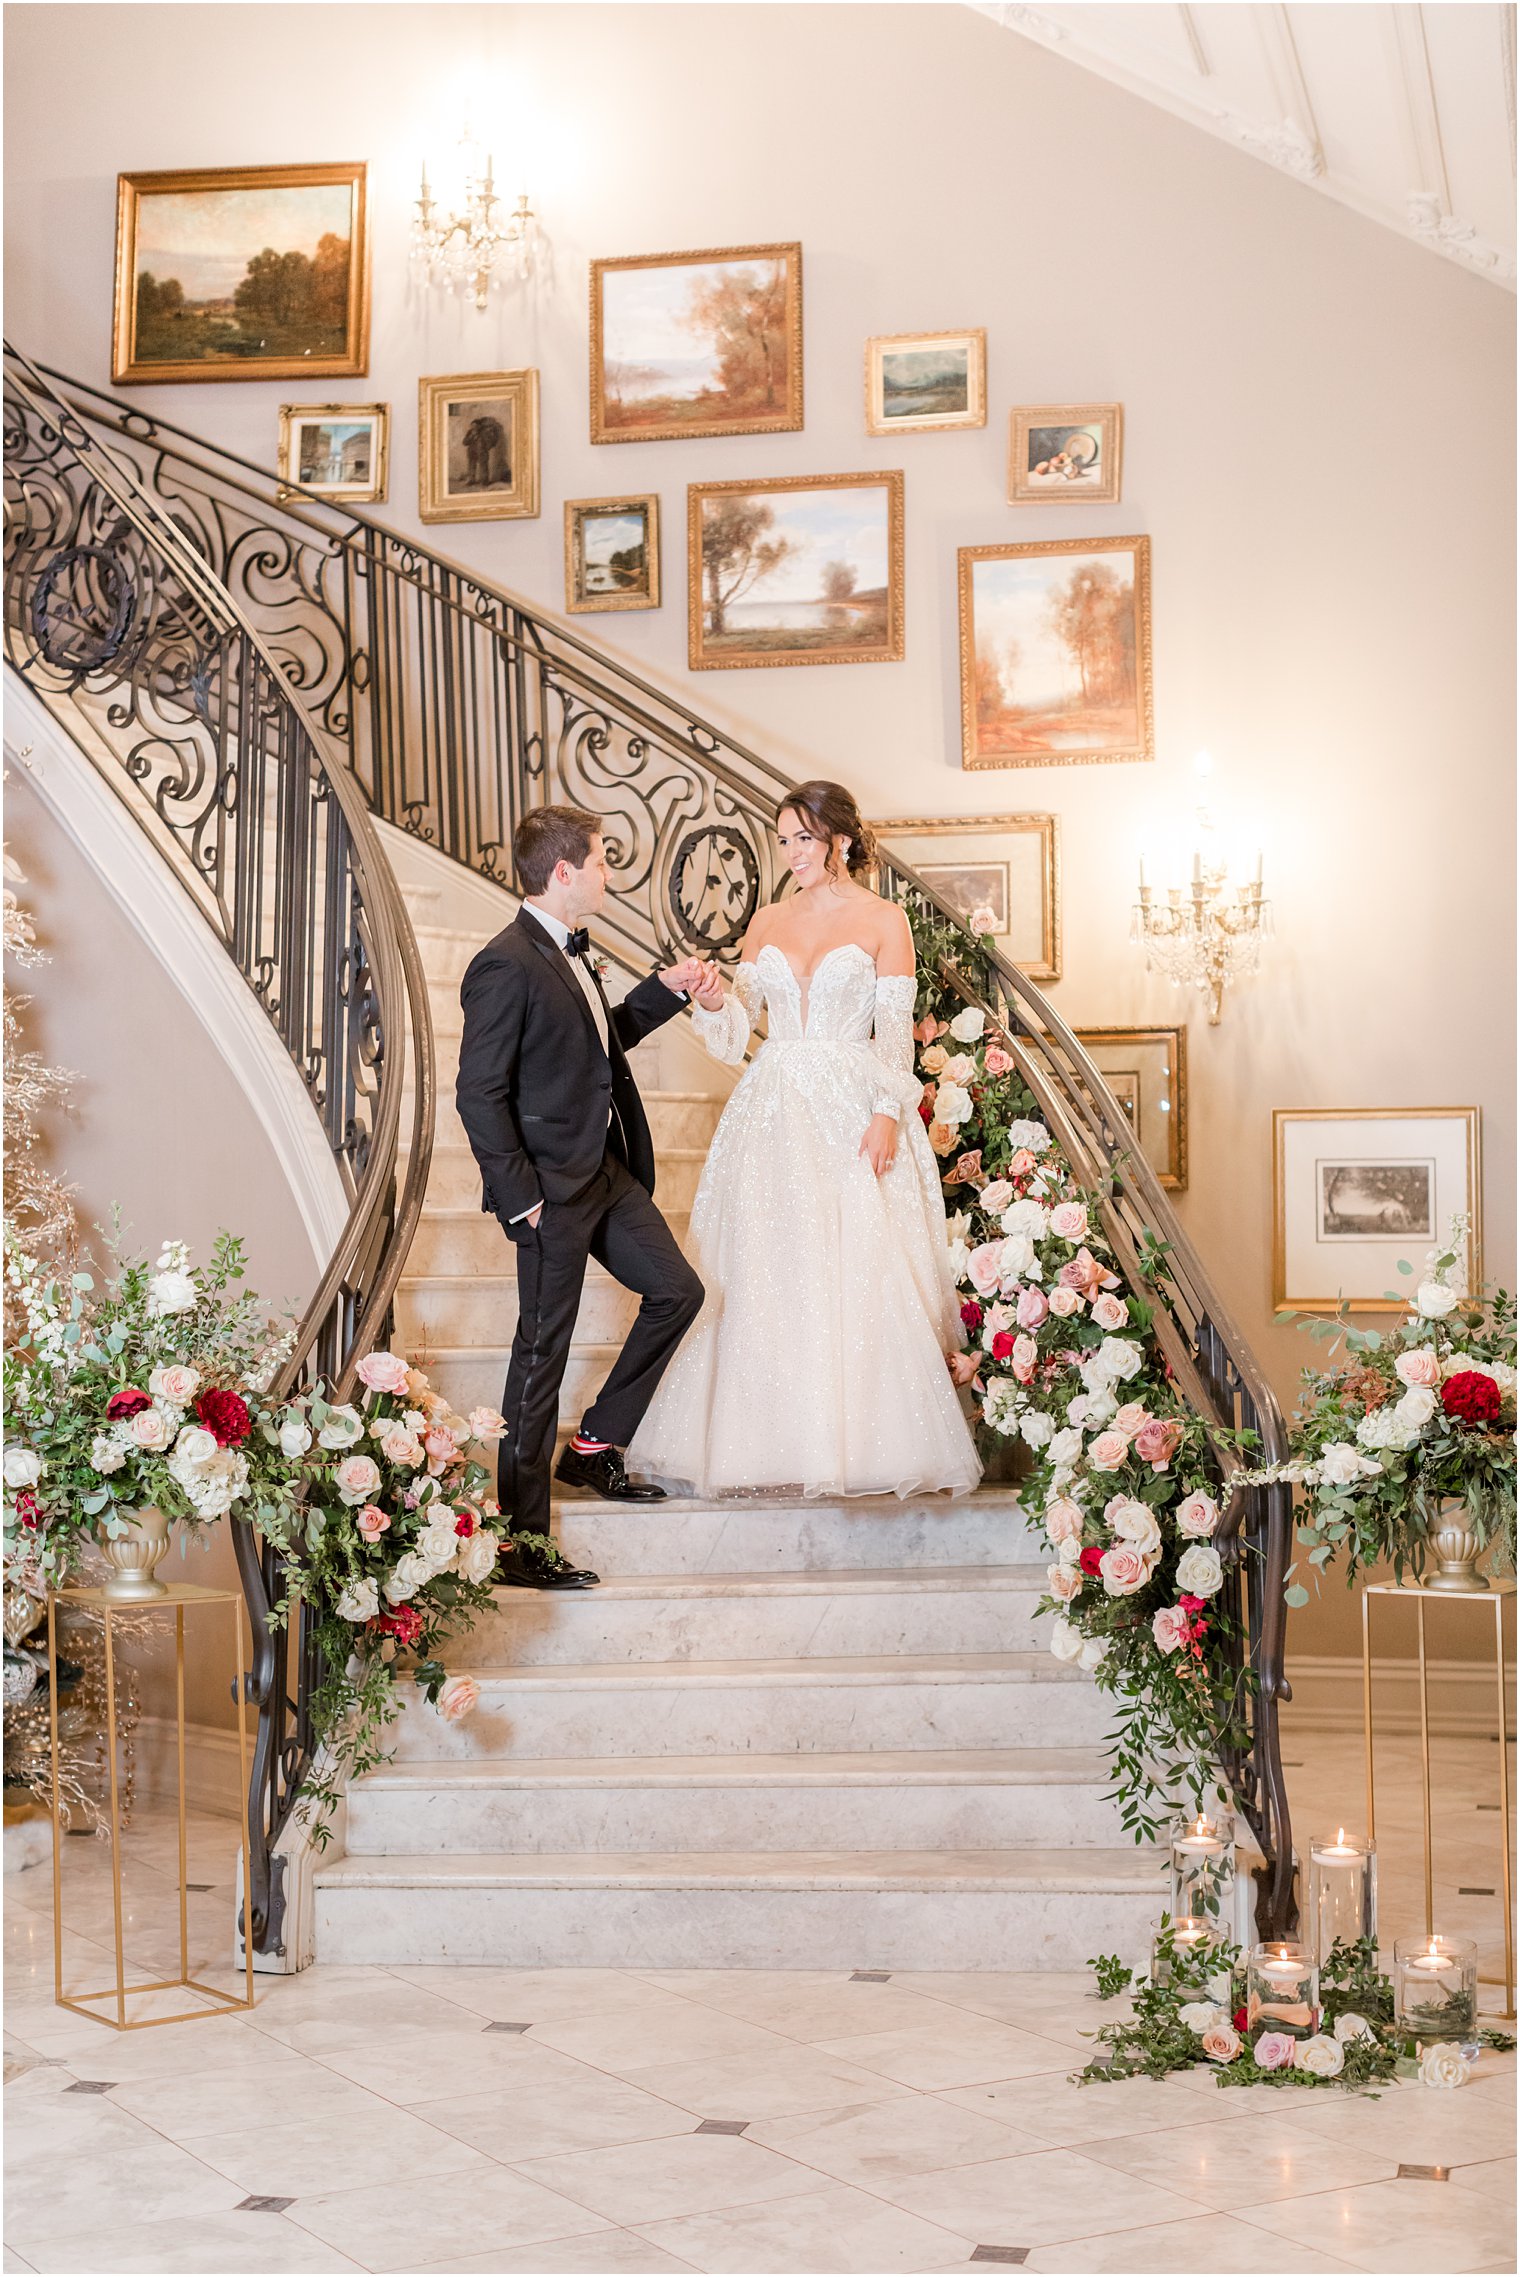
[698, 979]
[879, 1146]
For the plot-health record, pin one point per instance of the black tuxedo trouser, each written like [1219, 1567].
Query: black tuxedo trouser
[615, 1221]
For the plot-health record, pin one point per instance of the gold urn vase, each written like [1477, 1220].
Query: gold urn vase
[132, 1555]
[1456, 1548]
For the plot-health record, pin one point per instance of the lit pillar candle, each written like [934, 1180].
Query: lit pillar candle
[1203, 1867]
[1435, 1987]
[1282, 1989]
[1340, 1892]
[1192, 1939]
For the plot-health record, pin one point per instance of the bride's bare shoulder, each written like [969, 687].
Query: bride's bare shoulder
[894, 936]
[761, 930]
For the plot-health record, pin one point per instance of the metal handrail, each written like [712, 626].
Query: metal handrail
[459, 705]
[116, 620]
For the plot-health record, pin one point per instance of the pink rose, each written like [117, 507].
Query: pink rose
[1132, 1416]
[961, 1069]
[1197, 1516]
[398, 1446]
[1110, 1312]
[457, 1697]
[1420, 1370]
[1124, 1570]
[1108, 1451]
[149, 1429]
[1157, 1442]
[487, 1423]
[1068, 1220]
[372, 1522]
[1170, 1627]
[1065, 1581]
[985, 1267]
[1064, 1302]
[1085, 1273]
[1032, 1307]
[1274, 2051]
[1063, 1521]
[1020, 1163]
[178, 1385]
[383, 1372]
[934, 1059]
[356, 1478]
[998, 1061]
[996, 1197]
[1024, 1358]
[441, 1447]
[1221, 2043]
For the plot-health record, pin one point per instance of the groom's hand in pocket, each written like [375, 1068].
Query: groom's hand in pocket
[879, 1146]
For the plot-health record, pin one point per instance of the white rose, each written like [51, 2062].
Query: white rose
[1340, 1464]
[1433, 1301]
[1027, 1217]
[477, 1556]
[1065, 1447]
[1037, 1430]
[344, 1427]
[1199, 1572]
[409, 1575]
[1102, 1407]
[295, 1437]
[1197, 1516]
[1033, 1135]
[967, 1026]
[438, 1542]
[151, 1430]
[23, 1467]
[360, 1601]
[1417, 1406]
[952, 1105]
[1202, 2015]
[171, 1293]
[1118, 1358]
[107, 1454]
[196, 1447]
[1066, 1641]
[1220, 1988]
[1135, 1522]
[1444, 2065]
[1353, 2027]
[1322, 2056]
[1094, 1651]
[1019, 1260]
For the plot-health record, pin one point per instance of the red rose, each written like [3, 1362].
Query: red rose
[1191, 1604]
[465, 1524]
[1091, 1560]
[28, 1509]
[130, 1401]
[1002, 1344]
[403, 1622]
[1239, 2019]
[225, 1416]
[1471, 1398]
[971, 1314]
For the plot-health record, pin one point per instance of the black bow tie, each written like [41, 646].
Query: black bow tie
[578, 942]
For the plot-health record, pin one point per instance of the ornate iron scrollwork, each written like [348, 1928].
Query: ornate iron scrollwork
[714, 886]
[83, 605]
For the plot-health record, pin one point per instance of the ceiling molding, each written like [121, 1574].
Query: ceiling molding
[1404, 113]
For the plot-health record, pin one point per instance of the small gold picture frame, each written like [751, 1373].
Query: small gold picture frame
[1065, 454]
[241, 273]
[335, 450]
[1003, 866]
[612, 553]
[688, 345]
[478, 447]
[1146, 1070]
[923, 383]
[1358, 1191]
[798, 569]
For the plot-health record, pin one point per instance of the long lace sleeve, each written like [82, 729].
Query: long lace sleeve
[723, 1034]
[893, 1043]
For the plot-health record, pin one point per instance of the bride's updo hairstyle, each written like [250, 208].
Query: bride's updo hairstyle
[830, 812]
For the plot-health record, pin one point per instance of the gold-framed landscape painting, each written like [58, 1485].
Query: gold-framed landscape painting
[478, 447]
[1357, 1190]
[696, 344]
[612, 553]
[926, 382]
[241, 272]
[1065, 454]
[999, 872]
[1055, 641]
[338, 450]
[801, 569]
[1146, 1070]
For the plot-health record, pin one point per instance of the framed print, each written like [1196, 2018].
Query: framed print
[1066, 453]
[1005, 868]
[612, 553]
[1056, 653]
[241, 272]
[803, 569]
[339, 450]
[1146, 1070]
[923, 382]
[692, 344]
[1355, 1189]
[478, 447]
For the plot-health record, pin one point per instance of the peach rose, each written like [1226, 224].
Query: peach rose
[1110, 1312]
[1032, 1307]
[942, 1138]
[1064, 1302]
[372, 1522]
[150, 1429]
[1197, 1516]
[1157, 1442]
[1063, 1521]
[961, 1069]
[487, 1423]
[998, 1061]
[1124, 1570]
[356, 1478]
[985, 1267]
[1021, 1163]
[1024, 1357]
[1133, 1416]
[1169, 1627]
[1068, 1220]
[1420, 1370]
[934, 1059]
[177, 1384]
[398, 1446]
[384, 1372]
[457, 1697]
[1108, 1451]
[1221, 2042]
[1065, 1581]
[441, 1447]
[996, 1197]
[1085, 1273]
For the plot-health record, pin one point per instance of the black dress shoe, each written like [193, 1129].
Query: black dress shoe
[559, 1577]
[604, 1474]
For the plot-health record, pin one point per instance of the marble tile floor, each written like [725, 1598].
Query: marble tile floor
[604, 2121]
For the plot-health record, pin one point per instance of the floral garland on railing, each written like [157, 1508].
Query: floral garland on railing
[1122, 1475]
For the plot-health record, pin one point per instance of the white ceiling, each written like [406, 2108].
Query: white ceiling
[1405, 113]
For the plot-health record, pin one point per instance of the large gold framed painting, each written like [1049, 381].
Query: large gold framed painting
[241, 273]
[1001, 873]
[1056, 653]
[803, 569]
[696, 344]
[1360, 1195]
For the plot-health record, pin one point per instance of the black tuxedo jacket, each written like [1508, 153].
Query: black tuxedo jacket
[535, 1085]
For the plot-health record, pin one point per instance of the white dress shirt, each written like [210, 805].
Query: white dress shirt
[559, 934]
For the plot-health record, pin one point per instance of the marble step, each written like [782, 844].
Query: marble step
[762, 1707]
[461, 1239]
[454, 1178]
[481, 1308]
[965, 1799]
[774, 1616]
[1018, 1909]
[766, 1535]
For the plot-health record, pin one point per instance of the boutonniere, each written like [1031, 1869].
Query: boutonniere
[601, 968]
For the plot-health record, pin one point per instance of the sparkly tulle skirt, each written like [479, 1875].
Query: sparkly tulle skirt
[817, 1363]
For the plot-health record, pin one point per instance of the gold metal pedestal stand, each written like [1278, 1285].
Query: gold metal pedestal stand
[1493, 1599]
[179, 1598]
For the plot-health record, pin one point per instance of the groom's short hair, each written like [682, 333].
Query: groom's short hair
[547, 835]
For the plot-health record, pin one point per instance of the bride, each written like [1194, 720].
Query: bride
[819, 1361]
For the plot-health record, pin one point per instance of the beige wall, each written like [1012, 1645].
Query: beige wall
[1318, 440]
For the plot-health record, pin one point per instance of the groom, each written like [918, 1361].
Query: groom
[554, 1119]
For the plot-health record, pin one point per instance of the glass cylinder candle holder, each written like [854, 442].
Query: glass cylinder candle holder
[1435, 1987]
[1203, 1867]
[1282, 1989]
[1340, 1892]
[1183, 1949]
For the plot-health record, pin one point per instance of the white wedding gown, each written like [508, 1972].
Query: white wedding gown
[818, 1361]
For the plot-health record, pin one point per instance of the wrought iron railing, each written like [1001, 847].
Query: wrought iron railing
[458, 706]
[117, 621]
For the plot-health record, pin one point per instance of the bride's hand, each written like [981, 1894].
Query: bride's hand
[879, 1146]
